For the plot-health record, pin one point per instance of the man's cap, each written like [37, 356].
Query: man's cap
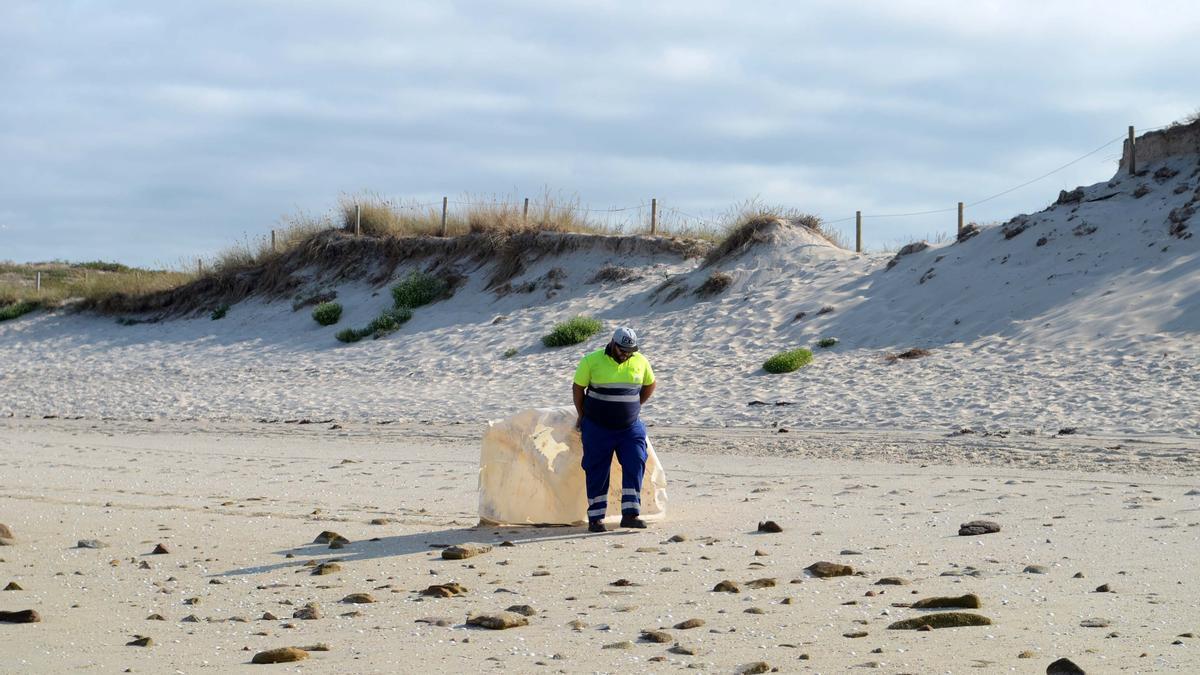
[626, 339]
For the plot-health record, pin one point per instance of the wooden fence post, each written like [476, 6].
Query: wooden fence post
[445, 205]
[960, 217]
[357, 220]
[1132, 153]
[39, 282]
[653, 214]
[273, 249]
[858, 231]
[525, 213]
[199, 267]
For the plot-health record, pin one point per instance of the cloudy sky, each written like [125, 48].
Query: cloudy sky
[151, 132]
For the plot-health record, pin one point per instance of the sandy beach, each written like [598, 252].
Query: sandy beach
[237, 506]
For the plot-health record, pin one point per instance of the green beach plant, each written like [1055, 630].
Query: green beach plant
[786, 362]
[572, 331]
[327, 313]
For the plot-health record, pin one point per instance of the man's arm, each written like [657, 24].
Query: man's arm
[577, 393]
[648, 391]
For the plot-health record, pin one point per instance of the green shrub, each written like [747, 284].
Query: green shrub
[327, 313]
[350, 335]
[219, 312]
[388, 322]
[786, 362]
[419, 289]
[826, 343]
[572, 332]
[17, 309]
[510, 352]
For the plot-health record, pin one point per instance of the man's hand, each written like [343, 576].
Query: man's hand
[578, 424]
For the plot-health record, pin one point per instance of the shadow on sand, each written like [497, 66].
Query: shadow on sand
[414, 544]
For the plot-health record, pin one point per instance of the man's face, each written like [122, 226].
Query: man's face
[620, 355]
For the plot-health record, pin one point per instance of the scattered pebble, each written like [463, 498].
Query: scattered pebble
[497, 621]
[22, 616]
[658, 636]
[690, 623]
[770, 527]
[824, 570]
[977, 527]
[280, 655]
[464, 551]
[358, 599]
[1064, 666]
[727, 586]
[968, 601]
[140, 641]
[942, 620]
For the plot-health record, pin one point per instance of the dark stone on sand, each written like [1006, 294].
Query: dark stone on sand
[5, 532]
[770, 527]
[326, 568]
[267, 616]
[445, 590]
[754, 610]
[380, 521]
[727, 586]
[977, 527]
[942, 620]
[90, 543]
[309, 612]
[442, 621]
[680, 649]
[498, 621]
[1035, 569]
[156, 617]
[968, 601]
[1064, 667]
[754, 668]
[762, 583]
[280, 655]
[329, 536]
[13, 586]
[358, 599]
[855, 634]
[190, 618]
[1104, 588]
[159, 550]
[848, 551]
[690, 623]
[658, 636]
[523, 610]
[1095, 622]
[463, 551]
[22, 616]
[140, 641]
[677, 538]
[507, 544]
[624, 644]
[622, 582]
[892, 581]
[825, 569]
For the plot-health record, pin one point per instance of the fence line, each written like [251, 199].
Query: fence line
[656, 207]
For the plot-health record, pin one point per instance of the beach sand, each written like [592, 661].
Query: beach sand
[232, 501]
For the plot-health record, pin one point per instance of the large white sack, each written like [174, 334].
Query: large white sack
[530, 472]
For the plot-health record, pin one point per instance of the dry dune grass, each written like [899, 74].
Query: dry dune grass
[479, 230]
[751, 223]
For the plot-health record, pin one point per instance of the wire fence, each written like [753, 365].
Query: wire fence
[652, 217]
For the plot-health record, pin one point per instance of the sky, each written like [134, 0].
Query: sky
[153, 133]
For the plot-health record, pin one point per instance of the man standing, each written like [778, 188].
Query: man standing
[611, 384]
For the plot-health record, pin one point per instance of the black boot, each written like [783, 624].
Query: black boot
[633, 521]
[597, 526]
